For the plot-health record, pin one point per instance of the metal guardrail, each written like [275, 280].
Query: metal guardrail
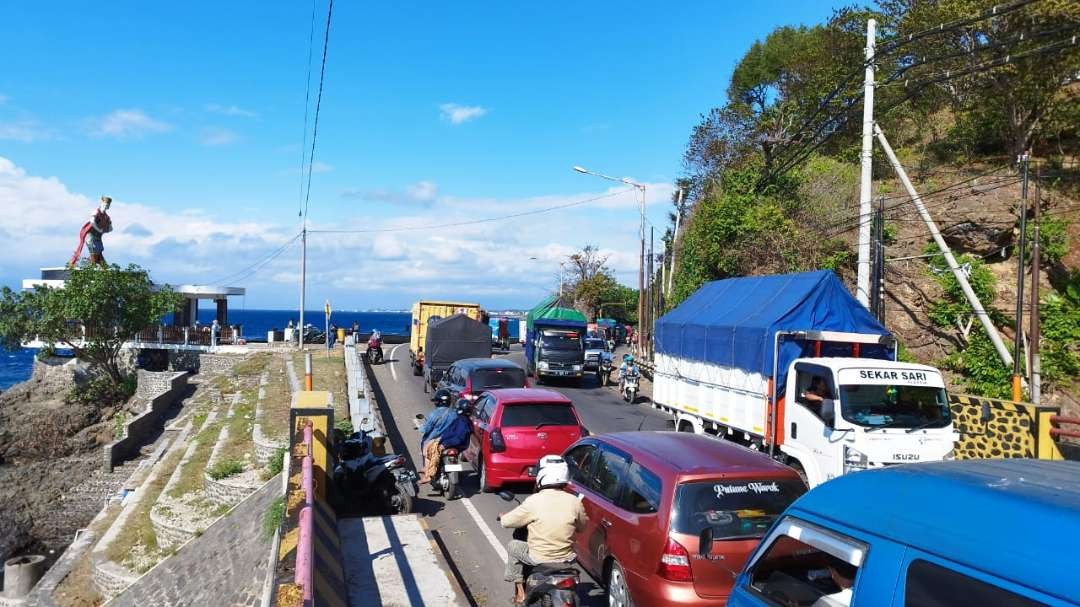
[305, 548]
[1056, 431]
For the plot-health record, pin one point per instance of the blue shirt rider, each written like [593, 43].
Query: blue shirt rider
[627, 368]
[448, 424]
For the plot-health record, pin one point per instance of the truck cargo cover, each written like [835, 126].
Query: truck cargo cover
[733, 322]
[554, 309]
[456, 337]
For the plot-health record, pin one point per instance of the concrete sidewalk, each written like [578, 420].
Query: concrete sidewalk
[390, 560]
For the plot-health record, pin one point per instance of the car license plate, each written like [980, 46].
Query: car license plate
[453, 467]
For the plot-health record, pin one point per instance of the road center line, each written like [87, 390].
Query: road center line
[393, 361]
[488, 533]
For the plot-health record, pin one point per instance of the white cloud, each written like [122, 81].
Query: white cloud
[457, 114]
[126, 124]
[24, 131]
[229, 110]
[321, 167]
[214, 136]
[421, 192]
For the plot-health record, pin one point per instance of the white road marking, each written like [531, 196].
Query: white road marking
[488, 533]
[393, 361]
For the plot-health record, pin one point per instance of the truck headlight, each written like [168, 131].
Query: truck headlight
[854, 460]
[577, 367]
[542, 365]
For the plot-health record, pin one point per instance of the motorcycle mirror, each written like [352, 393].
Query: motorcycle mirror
[705, 541]
[506, 496]
[420, 416]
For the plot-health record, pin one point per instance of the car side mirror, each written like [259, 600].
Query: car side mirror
[705, 541]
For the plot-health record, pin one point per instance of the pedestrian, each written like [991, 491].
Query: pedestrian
[331, 338]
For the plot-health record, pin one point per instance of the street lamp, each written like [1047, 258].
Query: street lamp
[641, 257]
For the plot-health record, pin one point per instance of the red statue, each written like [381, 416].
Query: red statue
[91, 233]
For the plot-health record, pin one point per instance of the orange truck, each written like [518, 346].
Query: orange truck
[422, 313]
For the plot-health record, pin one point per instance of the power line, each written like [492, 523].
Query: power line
[473, 221]
[997, 10]
[307, 105]
[318, 106]
[258, 265]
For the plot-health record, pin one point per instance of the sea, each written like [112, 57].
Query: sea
[254, 324]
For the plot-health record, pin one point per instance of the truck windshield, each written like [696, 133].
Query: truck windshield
[560, 341]
[595, 344]
[895, 406]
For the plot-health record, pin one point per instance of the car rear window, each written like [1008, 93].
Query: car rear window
[538, 414]
[594, 344]
[490, 379]
[734, 508]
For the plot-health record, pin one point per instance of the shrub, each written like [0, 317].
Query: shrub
[276, 463]
[225, 468]
[272, 518]
[100, 391]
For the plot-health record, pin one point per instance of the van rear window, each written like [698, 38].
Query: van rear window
[534, 415]
[734, 509]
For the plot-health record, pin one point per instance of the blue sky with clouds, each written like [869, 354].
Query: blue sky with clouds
[191, 116]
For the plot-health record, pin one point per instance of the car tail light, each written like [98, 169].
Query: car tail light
[498, 445]
[451, 452]
[566, 583]
[675, 563]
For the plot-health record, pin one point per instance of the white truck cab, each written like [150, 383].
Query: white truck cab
[840, 415]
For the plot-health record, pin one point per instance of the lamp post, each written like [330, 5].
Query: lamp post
[641, 236]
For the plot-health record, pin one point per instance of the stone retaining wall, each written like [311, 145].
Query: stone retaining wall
[217, 363]
[265, 447]
[141, 428]
[224, 492]
[169, 535]
[153, 383]
[111, 579]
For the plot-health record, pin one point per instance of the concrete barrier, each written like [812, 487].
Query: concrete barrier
[1014, 429]
[141, 428]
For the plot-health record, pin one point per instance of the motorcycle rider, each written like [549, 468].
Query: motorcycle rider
[627, 368]
[552, 516]
[446, 428]
[374, 344]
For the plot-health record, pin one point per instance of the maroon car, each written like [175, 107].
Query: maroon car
[513, 428]
[649, 497]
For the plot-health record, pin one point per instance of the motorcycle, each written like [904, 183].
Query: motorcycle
[374, 352]
[451, 466]
[361, 475]
[604, 372]
[630, 386]
[546, 584]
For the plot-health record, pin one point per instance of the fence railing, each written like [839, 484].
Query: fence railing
[1057, 431]
[163, 334]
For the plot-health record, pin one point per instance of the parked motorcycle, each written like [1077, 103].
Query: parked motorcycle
[363, 476]
[546, 584]
[630, 386]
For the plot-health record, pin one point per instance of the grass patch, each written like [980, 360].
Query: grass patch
[191, 478]
[253, 365]
[328, 374]
[275, 420]
[118, 425]
[276, 463]
[138, 530]
[272, 518]
[225, 468]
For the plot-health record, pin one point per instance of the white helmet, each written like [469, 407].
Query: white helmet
[551, 471]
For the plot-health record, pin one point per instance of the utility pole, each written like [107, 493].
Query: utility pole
[652, 291]
[641, 273]
[973, 299]
[303, 278]
[877, 293]
[1036, 359]
[562, 265]
[1017, 383]
[862, 289]
[675, 239]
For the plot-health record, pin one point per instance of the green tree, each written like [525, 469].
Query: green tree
[97, 310]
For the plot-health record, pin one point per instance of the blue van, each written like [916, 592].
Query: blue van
[943, 534]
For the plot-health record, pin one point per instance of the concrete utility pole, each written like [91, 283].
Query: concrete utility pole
[303, 279]
[862, 287]
[674, 239]
[1036, 359]
[1017, 383]
[652, 289]
[973, 299]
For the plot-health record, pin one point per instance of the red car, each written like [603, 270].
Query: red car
[649, 496]
[513, 428]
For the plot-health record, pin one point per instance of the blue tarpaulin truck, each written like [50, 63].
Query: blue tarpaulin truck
[792, 364]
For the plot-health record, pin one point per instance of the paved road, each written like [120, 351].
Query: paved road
[465, 528]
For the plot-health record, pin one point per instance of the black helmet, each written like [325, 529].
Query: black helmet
[463, 406]
[442, 397]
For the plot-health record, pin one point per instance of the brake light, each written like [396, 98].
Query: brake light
[675, 563]
[566, 583]
[451, 452]
[498, 445]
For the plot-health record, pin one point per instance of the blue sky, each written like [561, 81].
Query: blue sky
[191, 116]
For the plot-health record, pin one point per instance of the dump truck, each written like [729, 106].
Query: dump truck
[795, 366]
[422, 313]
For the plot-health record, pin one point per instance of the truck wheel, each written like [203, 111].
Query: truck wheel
[685, 426]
